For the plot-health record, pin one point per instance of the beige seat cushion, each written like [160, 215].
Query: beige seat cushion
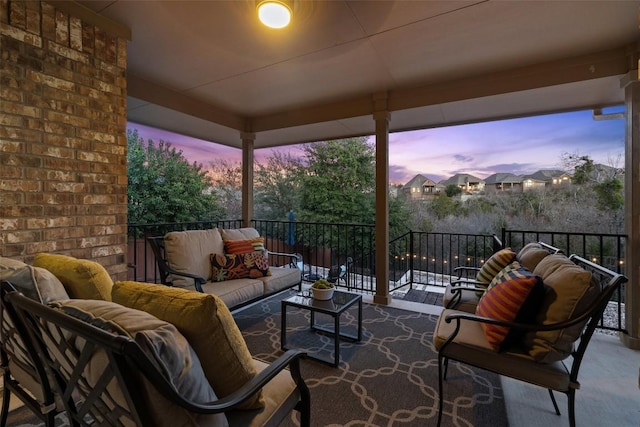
[35, 282]
[82, 278]
[208, 326]
[189, 252]
[471, 346]
[234, 292]
[280, 279]
[569, 292]
[280, 395]
[162, 342]
[468, 300]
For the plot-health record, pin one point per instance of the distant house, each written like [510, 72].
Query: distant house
[419, 188]
[546, 178]
[467, 183]
[502, 182]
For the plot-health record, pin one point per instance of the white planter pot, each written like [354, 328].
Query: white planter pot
[322, 294]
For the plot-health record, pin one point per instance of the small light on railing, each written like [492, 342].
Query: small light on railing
[415, 256]
[445, 261]
[468, 258]
[621, 262]
[481, 261]
[433, 260]
[594, 259]
[424, 257]
[455, 257]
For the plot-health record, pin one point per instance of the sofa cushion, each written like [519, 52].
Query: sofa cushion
[82, 278]
[531, 254]
[35, 282]
[239, 266]
[504, 299]
[569, 291]
[235, 292]
[167, 347]
[280, 278]
[188, 252]
[244, 246]
[494, 264]
[239, 233]
[207, 324]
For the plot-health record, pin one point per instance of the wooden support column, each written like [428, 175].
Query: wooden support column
[631, 86]
[248, 139]
[381, 116]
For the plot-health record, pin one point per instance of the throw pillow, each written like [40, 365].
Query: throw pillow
[503, 300]
[239, 266]
[569, 292]
[207, 324]
[165, 346]
[239, 233]
[35, 282]
[531, 254]
[494, 264]
[244, 246]
[82, 279]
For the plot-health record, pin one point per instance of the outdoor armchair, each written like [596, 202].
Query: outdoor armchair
[551, 348]
[108, 377]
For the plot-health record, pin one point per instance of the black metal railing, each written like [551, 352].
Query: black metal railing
[415, 258]
[429, 258]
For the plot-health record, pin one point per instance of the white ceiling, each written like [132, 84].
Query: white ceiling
[208, 69]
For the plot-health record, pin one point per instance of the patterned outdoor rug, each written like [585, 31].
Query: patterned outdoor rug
[390, 378]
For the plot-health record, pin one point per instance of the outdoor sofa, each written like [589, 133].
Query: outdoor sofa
[233, 264]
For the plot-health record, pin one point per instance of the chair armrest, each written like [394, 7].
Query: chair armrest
[462, 269]
[467, 283]
[291, 359]
[459, 316]
[197, 279]
[295, 260]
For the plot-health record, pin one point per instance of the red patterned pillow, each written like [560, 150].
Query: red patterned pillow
[257, 264]
[504, 299]
[239, 266]
[244, 246]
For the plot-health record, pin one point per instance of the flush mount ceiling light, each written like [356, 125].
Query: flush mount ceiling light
[275, 13]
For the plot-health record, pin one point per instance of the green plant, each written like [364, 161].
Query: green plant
[322, 284]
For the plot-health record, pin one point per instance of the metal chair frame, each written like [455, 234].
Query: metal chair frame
[608, 281]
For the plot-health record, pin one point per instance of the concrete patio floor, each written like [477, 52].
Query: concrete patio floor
[609, 394]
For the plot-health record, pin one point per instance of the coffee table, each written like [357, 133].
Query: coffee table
[334, 307]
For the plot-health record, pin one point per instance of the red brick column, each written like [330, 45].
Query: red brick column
[63, 174]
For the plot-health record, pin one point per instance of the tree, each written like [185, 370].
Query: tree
[452, 190]
[339, 183]
[226, 178]
[277, 185]
[164, 187]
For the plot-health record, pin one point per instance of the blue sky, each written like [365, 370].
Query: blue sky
[519, 146]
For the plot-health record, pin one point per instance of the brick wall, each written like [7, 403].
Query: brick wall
[63, 173]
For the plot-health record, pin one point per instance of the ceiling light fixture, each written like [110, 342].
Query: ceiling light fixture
[275, 13]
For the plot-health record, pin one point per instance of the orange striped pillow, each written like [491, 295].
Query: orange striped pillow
[504, 298]
[244, 246]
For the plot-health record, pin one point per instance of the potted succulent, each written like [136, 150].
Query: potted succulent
[322, 290]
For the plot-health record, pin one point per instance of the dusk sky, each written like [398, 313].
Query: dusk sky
[519, 146]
